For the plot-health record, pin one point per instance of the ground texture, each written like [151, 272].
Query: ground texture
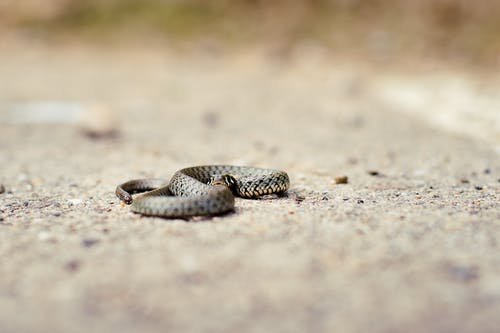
[409, 244]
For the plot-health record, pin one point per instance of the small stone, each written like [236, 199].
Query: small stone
[464, 181]
[88, 242]
[99, 122]
[2, 189]
[487, 171]
[73, 265]
[26, 203]
[463, 273]
[360, 201]
[374, 173]
[477, 187]
[341, 180]
[211, 119]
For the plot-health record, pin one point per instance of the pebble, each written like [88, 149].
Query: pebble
[88, 242]
[374, 173]
[2, 189]
[464, 273]
[211, 119]
[73, 265]
[341, 180]
[99, 122]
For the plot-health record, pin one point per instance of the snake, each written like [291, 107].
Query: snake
[201, 190]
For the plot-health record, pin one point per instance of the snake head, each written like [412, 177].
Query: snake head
[226, 180]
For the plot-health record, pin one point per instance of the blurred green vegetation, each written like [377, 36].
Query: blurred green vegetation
[169, 18]
[439, 28]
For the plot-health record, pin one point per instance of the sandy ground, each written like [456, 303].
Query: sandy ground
[410, 244]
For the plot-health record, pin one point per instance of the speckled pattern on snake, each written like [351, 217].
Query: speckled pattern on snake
[201, 190]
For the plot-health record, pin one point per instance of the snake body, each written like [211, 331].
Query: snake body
[201, 190]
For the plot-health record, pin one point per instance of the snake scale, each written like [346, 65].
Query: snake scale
[201, 190]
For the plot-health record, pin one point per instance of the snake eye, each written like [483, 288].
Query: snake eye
[226, 180]
[216, 180]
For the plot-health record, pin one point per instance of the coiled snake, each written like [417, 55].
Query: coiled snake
[201, 190]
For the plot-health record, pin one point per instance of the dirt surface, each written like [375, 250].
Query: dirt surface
[409, 244]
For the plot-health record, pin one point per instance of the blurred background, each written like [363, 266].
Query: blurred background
[435, 59]
[460, 31]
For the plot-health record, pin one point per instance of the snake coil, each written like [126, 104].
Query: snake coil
[201, 190]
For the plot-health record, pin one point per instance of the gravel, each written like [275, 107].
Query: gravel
[415, 250]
